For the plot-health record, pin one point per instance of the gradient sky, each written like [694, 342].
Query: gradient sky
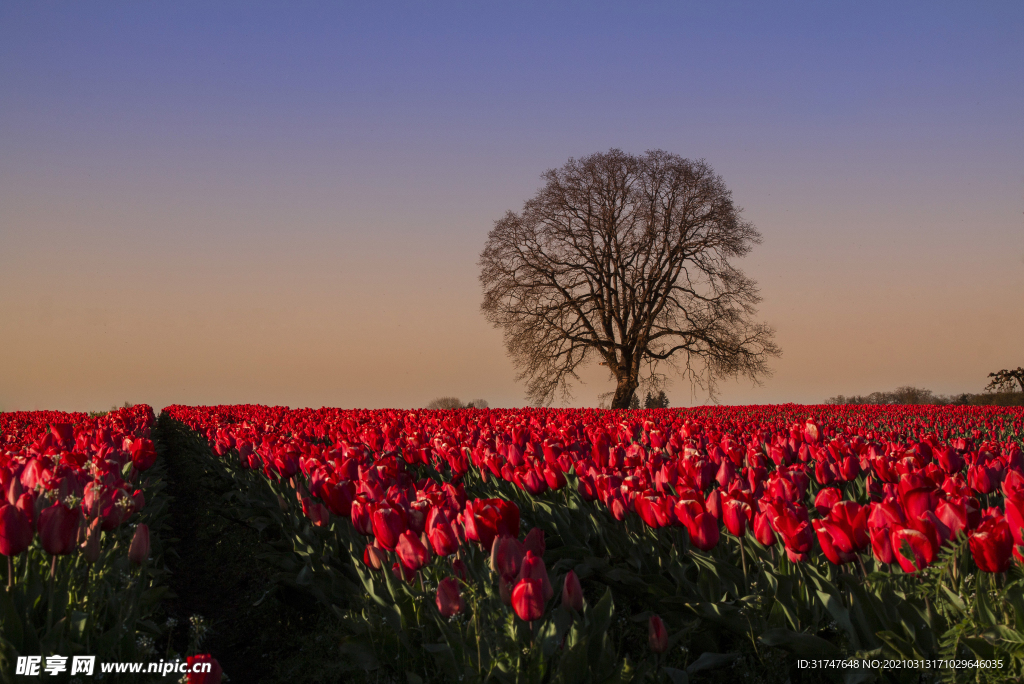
[284, 203]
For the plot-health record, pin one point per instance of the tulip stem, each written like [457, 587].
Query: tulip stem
[743, 561]
[49, 607]
[10, 572]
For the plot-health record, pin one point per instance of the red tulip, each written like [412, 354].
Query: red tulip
[532, 482]
[763, 530]
[645, 509]
[953, 515]
[534, 541]
[388, 523]
[200, 662]
[554, 477]
[449, 598]
[949, 459]
[442, 537]
[402, 573]
[58, 529]
[853, 519]
[881, 545]
[411, 551]
[735, 515]
[713, 504]
[1015, 518]
[143, 454]
[826, 499]
[533, 568]
[991, 545]
[835, 542]
[528, 599]
[373, 557]
[506, 557]
[316, 512]
[657, 636]
[15, 530]
[921, 551]
[983, 479]
[360, 512]
[572, 592]
[484, 519]
[797, 534]
[339, 497]
[704, 531]
[91, 544]
[138, 551]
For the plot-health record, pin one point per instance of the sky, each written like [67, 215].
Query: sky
[285, 203]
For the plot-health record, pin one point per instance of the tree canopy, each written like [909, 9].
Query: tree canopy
[626, 259]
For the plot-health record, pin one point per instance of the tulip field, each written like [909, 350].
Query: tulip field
[80, 496]
[764, 544]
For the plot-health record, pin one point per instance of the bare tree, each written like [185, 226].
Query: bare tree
[626, 258]
[1004, 380]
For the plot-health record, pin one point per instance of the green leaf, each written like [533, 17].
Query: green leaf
[710, 661]
[677, 676]
[807, 645]
[723, 614]
[10, 624]
[599, 618]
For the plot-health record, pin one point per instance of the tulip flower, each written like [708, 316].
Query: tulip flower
[991, 545]
[534, 541]
[58, 529]
[212, 677]
[921, 552]
[449, 599]
[735, 515]
[15, 530]
[763, 530]
[506, 557]
[91, 544]
[138, 551]
[797, 535]
[143, 454]
[835, 542]
[704, 531]
[316, 512]
[402, 573]
[572, 592]
[442, 537]
[881, 545]
[1015, 518]
[484, 519]
[657, 635]
[533, 567]
[554, 477]
[713, 504]
[373, 557]
[339, 497]
[826, 499]
[388, 523]
[528, 599]
[360, 513]
[411, 551]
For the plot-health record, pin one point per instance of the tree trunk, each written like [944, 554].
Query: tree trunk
[624, 392]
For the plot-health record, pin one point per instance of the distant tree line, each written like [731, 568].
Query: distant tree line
[917, 395]
[455, 403]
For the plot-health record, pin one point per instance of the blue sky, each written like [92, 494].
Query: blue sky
[285, 202]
